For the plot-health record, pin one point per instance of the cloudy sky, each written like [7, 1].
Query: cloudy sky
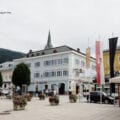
[24, 24]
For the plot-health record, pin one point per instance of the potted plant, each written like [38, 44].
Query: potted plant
[72, 98]
[41, 96]
[28, 96]
[54, 100]
[19, 102]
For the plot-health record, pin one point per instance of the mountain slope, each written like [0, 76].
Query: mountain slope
[8, 55]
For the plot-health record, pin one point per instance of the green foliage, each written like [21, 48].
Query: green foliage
[21, 75]
[8, 55]
[1, 80]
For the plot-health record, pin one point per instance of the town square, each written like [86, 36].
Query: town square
[59, 60]
[37, 110]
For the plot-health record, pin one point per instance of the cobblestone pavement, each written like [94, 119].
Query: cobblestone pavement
[41, 110]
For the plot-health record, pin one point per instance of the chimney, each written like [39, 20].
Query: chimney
[78, 50]
[30, 51]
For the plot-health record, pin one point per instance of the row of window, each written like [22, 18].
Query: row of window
[56, 62]
[78, 62]
[9, 66]
[52, 74]
[82, 64]
[50, 62]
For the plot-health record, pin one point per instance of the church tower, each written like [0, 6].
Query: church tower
[49, 44]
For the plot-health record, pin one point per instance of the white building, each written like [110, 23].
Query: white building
[56, 67]
[6, 70]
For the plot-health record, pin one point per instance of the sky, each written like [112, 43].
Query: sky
[24, 24]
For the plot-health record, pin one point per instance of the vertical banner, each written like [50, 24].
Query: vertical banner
[102, 76]
[98, 62]
[88, 58]
[112, 49]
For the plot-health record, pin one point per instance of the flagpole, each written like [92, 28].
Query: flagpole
[101, 94]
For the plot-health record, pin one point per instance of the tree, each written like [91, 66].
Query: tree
[1, 80]
[21, 75]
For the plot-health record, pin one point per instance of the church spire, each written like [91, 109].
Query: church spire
[49, 44]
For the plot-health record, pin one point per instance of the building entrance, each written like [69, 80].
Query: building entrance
[61, 88]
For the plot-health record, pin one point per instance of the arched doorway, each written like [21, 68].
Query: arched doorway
[46, 87]
[61, 88]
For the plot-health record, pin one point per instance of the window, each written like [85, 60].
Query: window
[10, 65]
[54, 51]
[82, 63]
[59, 73]
[53, 73]
[54, 62]
[37, 75]
[46, 74]
[43, 53]
[50, 74]
[77, 62]
[65, 73]
[37, 64]
[59, 61]
[38, 54]
[48, 62]
[65, 60]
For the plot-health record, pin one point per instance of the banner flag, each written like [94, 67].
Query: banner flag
[112, 49]
[98, 60]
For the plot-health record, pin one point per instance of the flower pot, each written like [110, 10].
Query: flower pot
[72, 98]
[54, 100]
[18, 107]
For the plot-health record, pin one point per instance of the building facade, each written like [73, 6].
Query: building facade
[6, 70]
[56, 70]
[106, 63]
[116, 61]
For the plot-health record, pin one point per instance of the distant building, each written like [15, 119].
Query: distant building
[6, 70]
[116, 61]
[106, 64]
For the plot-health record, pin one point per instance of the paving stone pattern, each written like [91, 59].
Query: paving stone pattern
[41, 110]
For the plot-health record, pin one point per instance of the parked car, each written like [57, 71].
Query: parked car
[95, 97]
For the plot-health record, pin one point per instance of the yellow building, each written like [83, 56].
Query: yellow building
[116, 62]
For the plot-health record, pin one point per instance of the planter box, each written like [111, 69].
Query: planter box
[72, 98]
[54, 100]
[18, 107]
[41, 97]
[53, 103]
[72, 101]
